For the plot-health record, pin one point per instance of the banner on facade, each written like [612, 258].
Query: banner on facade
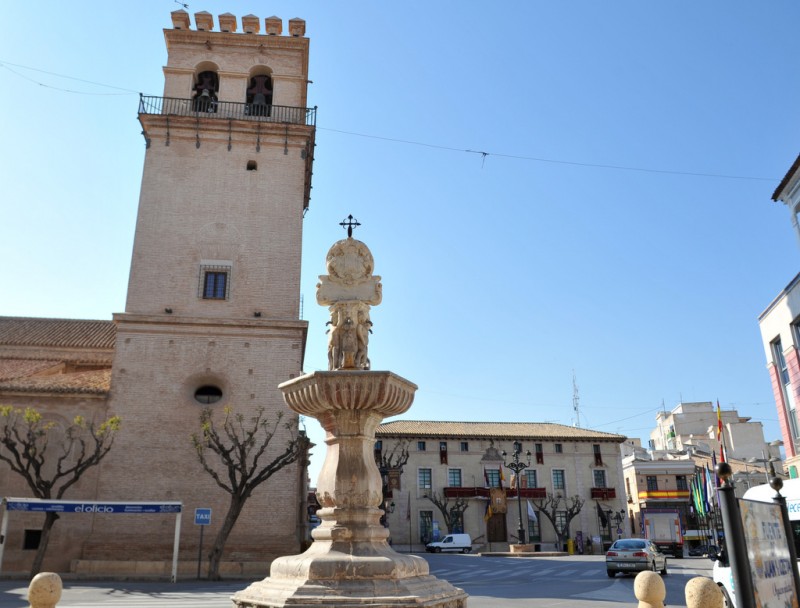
[498, 498]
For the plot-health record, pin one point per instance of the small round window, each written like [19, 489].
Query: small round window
[208, 394]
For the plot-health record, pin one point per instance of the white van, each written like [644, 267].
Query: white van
[461, 543]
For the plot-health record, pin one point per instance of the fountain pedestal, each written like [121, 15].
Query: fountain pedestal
[350, 562]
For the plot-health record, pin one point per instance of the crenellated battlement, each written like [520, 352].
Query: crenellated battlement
[204, 22]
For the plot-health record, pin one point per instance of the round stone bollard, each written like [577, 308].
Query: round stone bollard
[45, 590]
[649, 589]
[702, 592]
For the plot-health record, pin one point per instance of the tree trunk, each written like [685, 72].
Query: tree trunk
[215, 556]
[49, 520]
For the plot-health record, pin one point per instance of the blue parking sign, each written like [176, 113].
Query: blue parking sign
[202, 517]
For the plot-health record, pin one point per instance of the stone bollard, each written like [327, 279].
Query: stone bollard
[45, 590]
[702, 592]
[649, 589]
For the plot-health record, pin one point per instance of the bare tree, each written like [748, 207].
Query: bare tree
[550, 506]
[50, 458]
[239, 444]
[390, 463]
[453, 516]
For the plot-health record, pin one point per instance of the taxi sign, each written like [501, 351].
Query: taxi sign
[202, 517]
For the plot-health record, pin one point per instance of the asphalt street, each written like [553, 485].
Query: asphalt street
[491, 582]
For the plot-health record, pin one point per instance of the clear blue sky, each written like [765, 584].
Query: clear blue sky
[502, 274]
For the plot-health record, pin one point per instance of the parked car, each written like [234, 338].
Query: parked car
[634, 555]
[452, 542]
[702, 550]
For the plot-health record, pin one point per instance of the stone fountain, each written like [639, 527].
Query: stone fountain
[350, 562]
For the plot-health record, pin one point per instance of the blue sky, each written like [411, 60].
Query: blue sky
[503, 272]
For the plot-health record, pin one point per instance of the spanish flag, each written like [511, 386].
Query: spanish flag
[488, 514]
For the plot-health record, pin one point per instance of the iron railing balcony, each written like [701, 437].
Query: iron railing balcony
[479, 491]
[208, 107]
[603, 493]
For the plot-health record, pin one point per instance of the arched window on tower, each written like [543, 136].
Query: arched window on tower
[205, 92]
[259, 96]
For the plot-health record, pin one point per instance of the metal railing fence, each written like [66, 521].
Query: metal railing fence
[209, 107]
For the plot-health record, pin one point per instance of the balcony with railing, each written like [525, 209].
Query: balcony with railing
[208, 107]
[481, 492]
[603, 493]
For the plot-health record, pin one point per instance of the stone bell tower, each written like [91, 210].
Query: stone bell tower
[212, 313]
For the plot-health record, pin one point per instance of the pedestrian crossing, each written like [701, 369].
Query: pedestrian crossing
[479, 569]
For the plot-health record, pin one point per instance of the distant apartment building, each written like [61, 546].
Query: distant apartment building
[463, 461]
[780, 334]
[694, 426]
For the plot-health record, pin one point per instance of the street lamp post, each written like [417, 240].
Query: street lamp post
[518, 467]
[618, 517]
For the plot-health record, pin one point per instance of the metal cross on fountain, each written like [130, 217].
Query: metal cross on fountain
[349, 222]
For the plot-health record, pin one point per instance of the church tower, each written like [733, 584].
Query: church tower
[212, 313]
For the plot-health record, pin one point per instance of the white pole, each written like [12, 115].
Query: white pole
[176, 545]
[3, 529]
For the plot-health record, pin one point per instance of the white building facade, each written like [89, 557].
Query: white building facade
[780, 334]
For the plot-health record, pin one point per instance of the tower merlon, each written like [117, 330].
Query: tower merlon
[227, 23]
[204, 21]
[274, 26]
[297, 27]
[180, 20]
[251, 24]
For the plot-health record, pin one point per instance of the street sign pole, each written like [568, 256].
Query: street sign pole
[200, 552]
[202, 518]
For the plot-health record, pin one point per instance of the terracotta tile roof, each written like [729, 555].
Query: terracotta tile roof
[496, 430]
[18, 368]
[74, 333]
[96, 382]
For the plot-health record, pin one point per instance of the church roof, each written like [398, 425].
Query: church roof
[67, 333]
[94, 382]
[493, 430]
[19, 368]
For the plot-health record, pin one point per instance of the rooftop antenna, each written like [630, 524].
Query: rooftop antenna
[576, 401]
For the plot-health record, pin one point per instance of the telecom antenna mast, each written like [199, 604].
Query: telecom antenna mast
[576, 401]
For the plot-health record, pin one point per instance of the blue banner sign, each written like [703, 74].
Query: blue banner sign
[202, 517]
[66, 506]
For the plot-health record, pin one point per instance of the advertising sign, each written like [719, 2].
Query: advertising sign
[66, 506]
[768, 554]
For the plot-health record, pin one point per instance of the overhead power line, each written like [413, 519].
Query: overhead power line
[8, 66]
[541, 159]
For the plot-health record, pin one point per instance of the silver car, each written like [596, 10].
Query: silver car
[634, 555]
